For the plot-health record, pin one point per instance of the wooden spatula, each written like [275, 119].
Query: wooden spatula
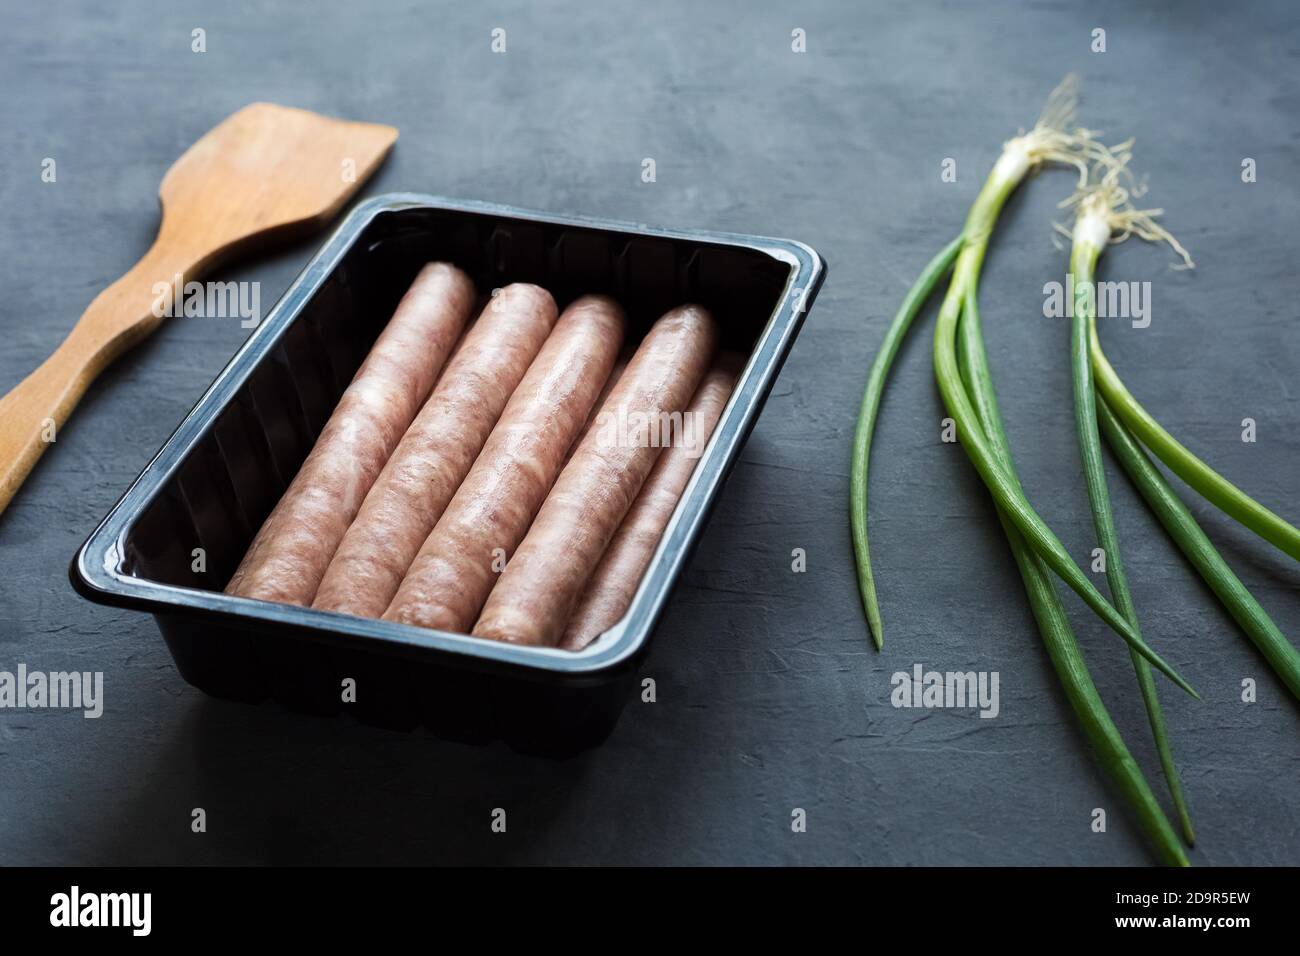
[265, 174]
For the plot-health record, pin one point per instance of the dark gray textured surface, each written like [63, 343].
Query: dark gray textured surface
[769, 698]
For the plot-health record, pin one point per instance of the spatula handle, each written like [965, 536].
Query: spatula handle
[123, 314]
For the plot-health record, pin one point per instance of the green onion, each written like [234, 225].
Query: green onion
[1112, 212]
[1006, 492]
[916, 297]
[1092, 232]
[1048, 141]
[1192, 541]
[966, 383]
[1049, 613]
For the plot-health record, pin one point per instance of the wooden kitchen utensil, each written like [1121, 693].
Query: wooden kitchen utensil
[265, 174]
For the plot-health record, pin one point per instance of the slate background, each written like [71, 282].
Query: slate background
[769, 698]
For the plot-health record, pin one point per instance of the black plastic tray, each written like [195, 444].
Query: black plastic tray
[218, 476]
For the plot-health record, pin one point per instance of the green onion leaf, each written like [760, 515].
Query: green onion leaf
[1203, 556]
[916, 297]
[1053, 624]
[1007, 493]
[1083, 262]
[1216, 489]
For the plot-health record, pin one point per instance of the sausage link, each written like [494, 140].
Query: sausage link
[532, 601]
[491, 511]
[616, 578]
[437, 451]
[289, 554]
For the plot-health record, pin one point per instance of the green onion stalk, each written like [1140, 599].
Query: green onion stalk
[1018, 157]
[1091, 235]
[912, 303]
[1216, 489]
[1053, 623]
[1223, 494]
[1105, 213]
[1200, 553]
[973, 387]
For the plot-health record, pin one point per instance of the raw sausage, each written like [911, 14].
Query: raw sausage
[291, 551]
[455, 569]
[451, 576]
[616, 578]
[437, 451]
[535, 595]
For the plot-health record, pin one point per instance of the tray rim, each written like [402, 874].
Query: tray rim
[95, 569]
